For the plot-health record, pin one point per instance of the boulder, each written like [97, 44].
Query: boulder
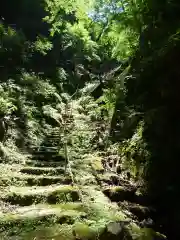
[116, 231]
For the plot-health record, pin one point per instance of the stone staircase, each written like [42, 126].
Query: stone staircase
[49, 150]
[39, 201]
[37, 193]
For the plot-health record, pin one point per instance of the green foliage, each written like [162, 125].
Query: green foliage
[134, 153]
[42, 45]
[109, 100]
[6, 107]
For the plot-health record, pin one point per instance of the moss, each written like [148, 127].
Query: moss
[100, 211]
[150, 234]
[96, 163]
[141, 212]
[26, 196]
[42, 170]
[88, 219]
[34, 163]
[63, 196]
[47, 215]
[33, 180]
[24, 200]
[83, 231]
[5, 181]
[55, 232]
[119, 193]
[68, 231]
[70, 206]
[12, 221]
[47, 180]
[138, 233]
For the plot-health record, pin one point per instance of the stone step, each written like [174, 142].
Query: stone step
[26, 196]
[120, 193]
[34, 180]
[44, 163]
[54, 138]
[139, 211]
[55, 134]
[49, 145]
[52, 143]
[44, 157]
[47, 148]
[63, 223]
[40, 214]
[41, 152]
[112, 178]
[42, 170]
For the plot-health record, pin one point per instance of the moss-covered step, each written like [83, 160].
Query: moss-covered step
[102, 220]
[42, 170]
[48, 157]
[139, 211]
[27, 218]
[40, 232]
[37, 148]
[25, 196]
[70, 221]
[44, 152]
[78, 231]
[34, 180]
[110, 178]
[120, 193]
[34, 163]
[9, 168]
